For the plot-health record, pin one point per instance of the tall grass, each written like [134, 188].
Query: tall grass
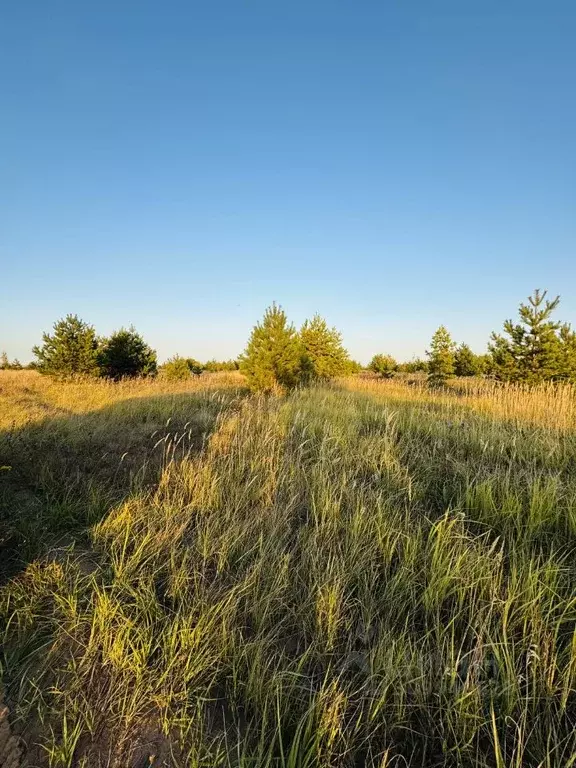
[381, 577]
[27, 397]
[70, 450]
[551, 405]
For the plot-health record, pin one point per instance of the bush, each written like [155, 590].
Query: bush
[215, 366]
[352, 368]
[383, 365]
[175, 368]
[466, 363]
[70, 350]
[195, 367]
[126, 355]
[181, 368]
[416, 365]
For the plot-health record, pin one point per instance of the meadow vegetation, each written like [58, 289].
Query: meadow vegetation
[275, 562]
[278, 357]
[364, 572]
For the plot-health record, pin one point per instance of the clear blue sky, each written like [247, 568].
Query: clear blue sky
[392, 165]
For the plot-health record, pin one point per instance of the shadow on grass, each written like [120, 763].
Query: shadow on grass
[61, 475]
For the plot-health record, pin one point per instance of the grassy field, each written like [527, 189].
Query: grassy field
[363, 574]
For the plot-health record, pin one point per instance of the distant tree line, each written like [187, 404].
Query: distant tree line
[73, 348]
[533, 350]
[178, 367]
[6, 365]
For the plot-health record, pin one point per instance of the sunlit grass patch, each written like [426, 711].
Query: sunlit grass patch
[333, 578]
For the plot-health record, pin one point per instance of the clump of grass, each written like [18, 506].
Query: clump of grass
[333, 578]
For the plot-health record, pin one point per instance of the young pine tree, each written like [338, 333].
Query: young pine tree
[274, 357]
[4, 362]
[466, 363]
[325, 356]
[531, 350]
[71, 350]
[126, 355]
[383, 365]
[176, 368]
[195, 366]
[441, 357]
[567, 354]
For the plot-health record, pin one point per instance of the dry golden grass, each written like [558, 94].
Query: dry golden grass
[88, 443]
[550, 405]
[27, 396]
[365, 574]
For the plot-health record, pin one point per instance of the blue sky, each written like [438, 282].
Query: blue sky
[181, 165]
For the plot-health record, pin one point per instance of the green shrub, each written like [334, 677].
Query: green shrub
[178, 367]
[416, 365]
[126, 355]
[352, 367]
[383, 365]
[175, 368]
[466, 363]
[216, 366]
